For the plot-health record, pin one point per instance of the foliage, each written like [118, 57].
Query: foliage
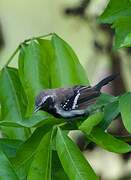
[36, 145]
[118, 13]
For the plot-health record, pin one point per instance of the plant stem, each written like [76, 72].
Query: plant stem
[12, 56]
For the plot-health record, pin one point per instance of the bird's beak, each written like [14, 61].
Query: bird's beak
[37, 108]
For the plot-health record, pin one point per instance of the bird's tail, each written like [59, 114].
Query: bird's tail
[105, 81]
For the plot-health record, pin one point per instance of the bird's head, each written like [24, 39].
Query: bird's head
[44, 102]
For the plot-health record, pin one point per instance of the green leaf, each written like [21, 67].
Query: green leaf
[13, 132]
[111, 111]
[41, 165]
[9, 146]
[33, 71]
[72, 160]
[13, 103]
[125, 109]
[12, 99]
[91, 122]
[27, 151]
[115, 10]
[107, 141]
[119, 14]
[65, 68]
[123, 32]
[36, 120]
[7, 172]
[104, 99]
[58, 172]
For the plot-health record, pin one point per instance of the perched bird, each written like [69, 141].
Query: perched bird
[70, 102]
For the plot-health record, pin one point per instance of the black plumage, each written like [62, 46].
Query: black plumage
[70, 102]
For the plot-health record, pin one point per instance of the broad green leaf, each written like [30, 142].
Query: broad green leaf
[33, 71]
[12, 99]
[27, 151]
[65, 68]
[107, 141]
[9, 146]
[111, 111]
[7, 172]
[72, 160]
[41, 165]
[123, 32]
[119, 14]
[115, 10]
[125, 109]
[91, 122]
[13, 132]
[35, 120]
[13, 104]
[58, 172]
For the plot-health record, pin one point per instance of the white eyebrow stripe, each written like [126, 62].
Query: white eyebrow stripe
[46, 97]
[75, 101]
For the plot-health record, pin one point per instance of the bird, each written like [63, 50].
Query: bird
[70, 102]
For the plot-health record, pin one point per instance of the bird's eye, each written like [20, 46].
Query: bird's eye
[50, 102]
[47, 102]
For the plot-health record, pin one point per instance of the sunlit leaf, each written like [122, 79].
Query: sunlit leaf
[73, 162]
[116, 10]
[33, 71]
[91, 122]
[35, 120]
[65, 68]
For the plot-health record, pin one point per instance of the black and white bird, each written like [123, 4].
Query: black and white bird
[70, 102]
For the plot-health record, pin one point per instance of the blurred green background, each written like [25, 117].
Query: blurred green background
[77, 24]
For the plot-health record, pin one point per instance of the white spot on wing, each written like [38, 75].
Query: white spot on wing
[75, 101]
[70, 113]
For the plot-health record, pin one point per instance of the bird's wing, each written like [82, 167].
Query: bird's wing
[83, 97]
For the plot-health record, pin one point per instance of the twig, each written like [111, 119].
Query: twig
[12, 56]
[38, 37]
[18, 48]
